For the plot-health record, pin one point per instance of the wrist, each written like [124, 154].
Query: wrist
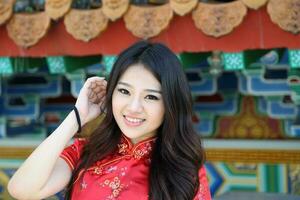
[77, 115]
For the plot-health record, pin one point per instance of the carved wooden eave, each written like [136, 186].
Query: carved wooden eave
[183, 7]
[146, 22]
[286, 14]
[27, 29]
[214, 28]
[219, 19]
[114, 9]
[6, 10]
[57, 8]
[85, 25]
[254, 4]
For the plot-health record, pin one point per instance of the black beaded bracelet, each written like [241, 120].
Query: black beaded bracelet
[78, 119]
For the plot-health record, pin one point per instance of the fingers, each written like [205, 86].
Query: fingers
[96, 87]
[94, 82]
[97, 100]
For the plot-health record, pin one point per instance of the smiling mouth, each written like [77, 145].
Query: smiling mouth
[133, 121]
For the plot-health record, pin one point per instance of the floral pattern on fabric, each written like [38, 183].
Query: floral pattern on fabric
[120, 175]
[126, 150]
[116, 187]
[140, 150]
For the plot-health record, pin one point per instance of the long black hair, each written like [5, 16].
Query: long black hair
[177, 155]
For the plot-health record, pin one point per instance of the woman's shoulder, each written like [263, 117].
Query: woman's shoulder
[80, 141]
[202, 171]
[203, 190]
[71, 154]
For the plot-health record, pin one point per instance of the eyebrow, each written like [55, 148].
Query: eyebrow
[149, 90]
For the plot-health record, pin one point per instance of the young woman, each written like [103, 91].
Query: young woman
[145, 147]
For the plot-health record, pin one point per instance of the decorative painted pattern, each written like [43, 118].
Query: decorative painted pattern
[223, 177]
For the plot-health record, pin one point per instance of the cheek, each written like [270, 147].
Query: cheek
[118, 105]
[162, 115]
[115, 104]
[157, 112]
[118, 100]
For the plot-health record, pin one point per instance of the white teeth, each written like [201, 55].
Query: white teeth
[134, 120]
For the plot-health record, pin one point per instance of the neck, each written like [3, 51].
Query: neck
[139, 139]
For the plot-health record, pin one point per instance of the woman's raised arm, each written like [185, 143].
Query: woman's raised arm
[43, 173]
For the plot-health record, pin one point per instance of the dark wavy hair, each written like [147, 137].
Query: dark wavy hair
[177, 155]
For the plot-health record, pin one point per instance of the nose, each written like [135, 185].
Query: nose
[135, 105]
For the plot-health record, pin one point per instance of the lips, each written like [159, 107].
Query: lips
[130, 121]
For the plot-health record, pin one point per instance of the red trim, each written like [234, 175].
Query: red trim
[256, 32]
[68, 161]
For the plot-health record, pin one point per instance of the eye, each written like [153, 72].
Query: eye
[123, 91]
[152, 97]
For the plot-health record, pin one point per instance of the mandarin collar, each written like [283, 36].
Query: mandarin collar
[126, 149]
[139, 150]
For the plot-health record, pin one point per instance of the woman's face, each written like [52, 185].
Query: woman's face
[137, 103]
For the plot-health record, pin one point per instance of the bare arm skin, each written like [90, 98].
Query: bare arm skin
[44, 173]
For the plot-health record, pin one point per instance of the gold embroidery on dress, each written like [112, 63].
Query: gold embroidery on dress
[98, 170]
[143, 151]
[140, 151]
[122, 148]
[115, 186]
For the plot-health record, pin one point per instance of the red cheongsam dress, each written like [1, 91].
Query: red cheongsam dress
[122, 175]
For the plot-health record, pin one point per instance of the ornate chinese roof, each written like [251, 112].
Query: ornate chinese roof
[187, 25]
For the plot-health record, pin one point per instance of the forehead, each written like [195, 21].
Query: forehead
[139, 76]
